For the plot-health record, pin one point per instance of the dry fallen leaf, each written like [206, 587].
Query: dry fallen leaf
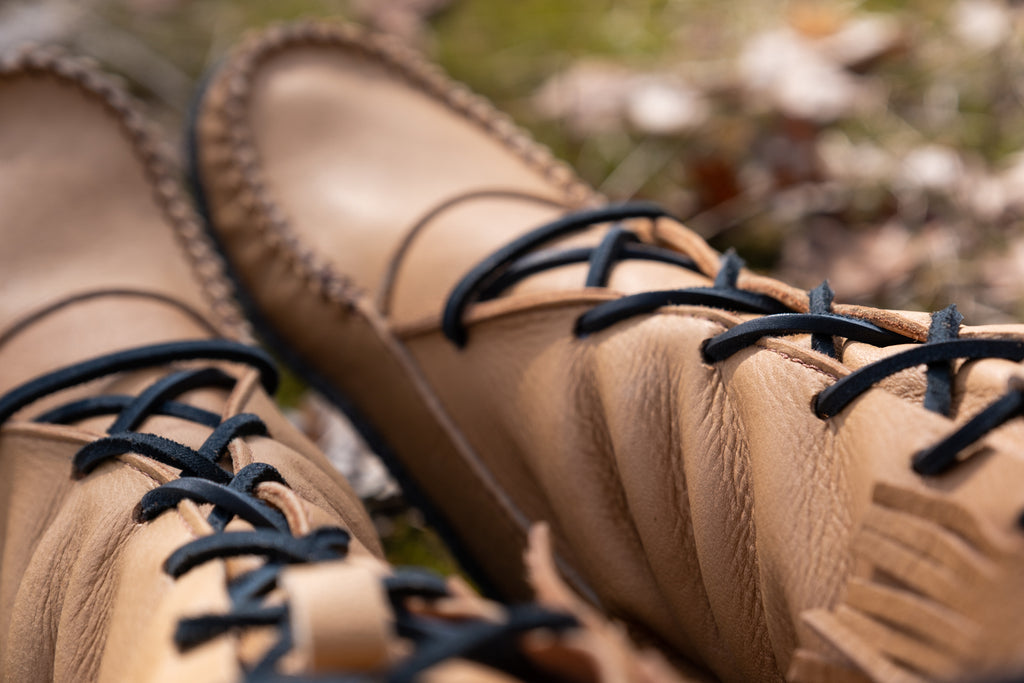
[783, 70]
[336, 437]
[981, 24]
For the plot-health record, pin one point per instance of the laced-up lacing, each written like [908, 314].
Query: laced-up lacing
[517, 260]
[204, 480]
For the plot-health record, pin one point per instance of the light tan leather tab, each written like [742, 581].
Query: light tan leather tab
[340, 616]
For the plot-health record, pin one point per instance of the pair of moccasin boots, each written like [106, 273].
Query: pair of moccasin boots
[755, 483]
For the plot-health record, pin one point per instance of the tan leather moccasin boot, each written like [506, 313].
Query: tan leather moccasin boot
[773, 485]
[161, 520]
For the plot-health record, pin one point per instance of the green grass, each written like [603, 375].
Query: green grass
[408, 541]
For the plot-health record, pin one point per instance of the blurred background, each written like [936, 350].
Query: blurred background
[878, 143]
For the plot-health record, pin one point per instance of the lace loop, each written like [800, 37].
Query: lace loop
[138, 359]
[512, 263]
[945, 454]
[169, 387]
[326, 543]
[724, 345]
[945, 326]
[488, 643]
[165, 451]
[729, 270]
[836, 397]
[606, 253]
[413, 582]
[820, 303]
[236, 426]
[540, 261]
[97, 406]
[194, 631]
[477, 277]
[225, 498]
[607, 314]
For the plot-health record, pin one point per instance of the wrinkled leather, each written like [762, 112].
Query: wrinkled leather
[706, 504]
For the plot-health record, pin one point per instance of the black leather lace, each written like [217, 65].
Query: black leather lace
[204, 481]
[942, 348]
[515, 261]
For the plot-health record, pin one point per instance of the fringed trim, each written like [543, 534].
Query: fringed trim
[923, 603]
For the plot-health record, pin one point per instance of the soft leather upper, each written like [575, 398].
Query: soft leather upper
[95, 262]
[706, 503]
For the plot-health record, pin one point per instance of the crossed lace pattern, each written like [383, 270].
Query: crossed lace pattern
[233, 496]
[524, 257]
